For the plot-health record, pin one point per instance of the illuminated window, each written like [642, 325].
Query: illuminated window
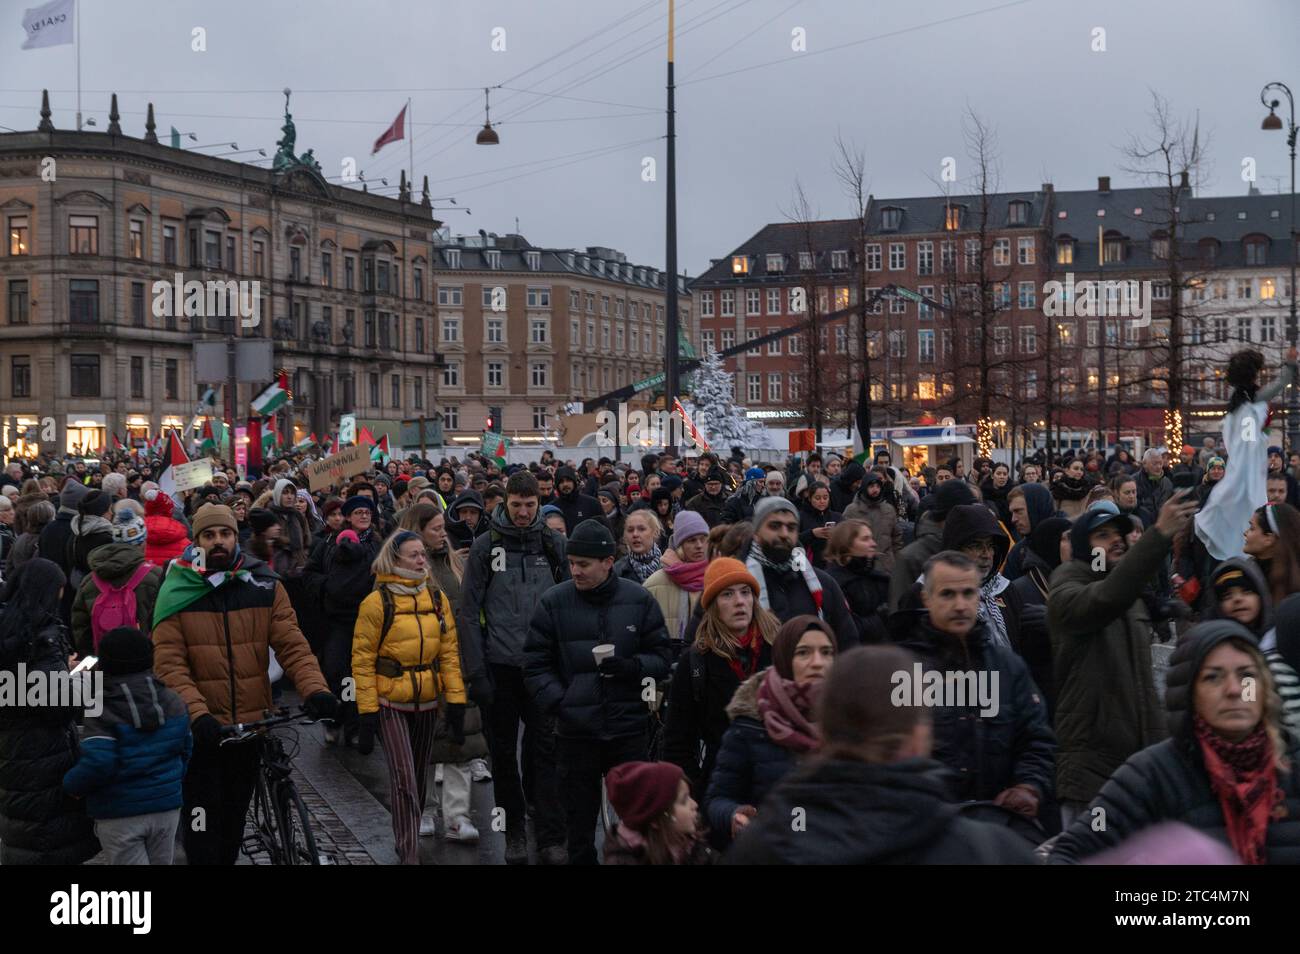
[740, 264]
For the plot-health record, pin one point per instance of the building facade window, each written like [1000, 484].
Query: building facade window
[85, 375]
[728, 304]
[1025, 250]
[169, 245]
[495, 374]
[137, 376]
[137, 304]
[83, 235]
[452, 296]
[897, 256]
[20, 375]
[135, 239]
[19, 308]
[83, 302]
[18, 236]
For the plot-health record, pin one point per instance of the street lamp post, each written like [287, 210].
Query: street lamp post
[1274, 121]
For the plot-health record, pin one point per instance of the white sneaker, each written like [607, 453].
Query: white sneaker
[478, 771]
[428, 823]
[437, 775]
[462, 829]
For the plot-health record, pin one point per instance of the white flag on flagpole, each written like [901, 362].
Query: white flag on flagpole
[50, 25]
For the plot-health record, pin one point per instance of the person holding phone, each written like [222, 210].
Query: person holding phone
[816, 521]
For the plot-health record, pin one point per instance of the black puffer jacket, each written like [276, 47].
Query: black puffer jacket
[811, 519]
[703, 685]
[749, 763]
[740, 505]
[990, 753]
[560, 670]
[339, 576]
[39, 824]
[575, 506]
[1168, 782]
[844, 487]
[860, 814]
[867, 591]
[710, 508]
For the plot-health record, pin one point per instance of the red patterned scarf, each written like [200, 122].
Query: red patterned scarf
[787, 710]
[1243, 776]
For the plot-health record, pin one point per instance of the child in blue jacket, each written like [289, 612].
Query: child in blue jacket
[133, 756]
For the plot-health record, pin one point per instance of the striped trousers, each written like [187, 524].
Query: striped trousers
[407, 738]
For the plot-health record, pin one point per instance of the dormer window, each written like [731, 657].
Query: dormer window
[1065, 250]
[584, 263]
[1209, 249]
[891, 219]
[569, 258]
[839, 260]
[493, 257]
[600, 266]
[740, 264]
[452, 257]
[953, 215]
[1159, 245]
[534, 260]
[1114, 247]
[776, 263]
[1256, 250]
[805, 261]
[1017, 212]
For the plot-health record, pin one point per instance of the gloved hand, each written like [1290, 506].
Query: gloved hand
[1022, 799]
[481, 690]
[321, 705]
[206, 730]
[616, 668]
[456, 722]
[369, 726]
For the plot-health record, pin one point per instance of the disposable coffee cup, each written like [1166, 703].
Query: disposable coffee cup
[602, 652]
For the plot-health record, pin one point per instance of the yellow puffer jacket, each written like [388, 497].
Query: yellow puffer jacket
[415, 638]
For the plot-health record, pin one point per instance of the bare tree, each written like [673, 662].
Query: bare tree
[850, 167]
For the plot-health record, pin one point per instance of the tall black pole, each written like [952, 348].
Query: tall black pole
[671, 382]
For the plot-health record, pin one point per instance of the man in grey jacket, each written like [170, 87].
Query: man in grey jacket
[506, 573]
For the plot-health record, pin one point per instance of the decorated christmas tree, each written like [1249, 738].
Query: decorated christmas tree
[715, 412]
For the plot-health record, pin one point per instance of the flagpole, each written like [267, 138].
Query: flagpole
[76, 13]
[410, 147]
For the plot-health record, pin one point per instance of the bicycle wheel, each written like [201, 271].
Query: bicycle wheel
[266, 823]
[299, 844]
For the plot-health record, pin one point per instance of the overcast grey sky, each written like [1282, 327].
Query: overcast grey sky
[571, 169]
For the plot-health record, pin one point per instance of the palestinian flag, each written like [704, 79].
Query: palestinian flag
[173, 454]
[305, 443]
[380, 453]
[273, 398]
[365, 437]
[187, 582]
[496, 446]
[117, 444]
[862, 426]
[211, 439]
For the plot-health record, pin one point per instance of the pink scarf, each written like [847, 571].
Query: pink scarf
[785, 708]
[689, 576]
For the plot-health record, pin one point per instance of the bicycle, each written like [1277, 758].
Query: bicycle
[281, 826]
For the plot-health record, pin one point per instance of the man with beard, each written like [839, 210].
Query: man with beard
[1107, 707]
[871, 507]
[1154, 488]
[575, 506]
[709, 503]
[545, 487]
[1004, 755]
[218, 614]
[789, 585]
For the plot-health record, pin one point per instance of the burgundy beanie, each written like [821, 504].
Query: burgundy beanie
[642, 791]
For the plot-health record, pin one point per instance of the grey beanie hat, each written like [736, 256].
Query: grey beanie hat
[766, 506]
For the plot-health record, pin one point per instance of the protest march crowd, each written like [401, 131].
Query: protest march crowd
[821, 660]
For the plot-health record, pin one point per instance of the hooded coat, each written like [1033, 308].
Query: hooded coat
[1168, 781]
[1107, 706]
[1041, 505]
[166, 537]
[575, 506]
[740, 505]
[910, 562]
[842, 487]
[882, 517]
[113, 563]
[866, 589]
[899, 813]
[970, 522]
[460, 533]
[135, 752]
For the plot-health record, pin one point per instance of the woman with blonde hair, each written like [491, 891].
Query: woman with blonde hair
[641, 533]
[732, 641]
[459, 765]
[406, 666]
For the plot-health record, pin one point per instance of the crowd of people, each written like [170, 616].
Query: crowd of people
[738, 655]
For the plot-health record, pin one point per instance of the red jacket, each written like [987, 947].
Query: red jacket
[166, 538]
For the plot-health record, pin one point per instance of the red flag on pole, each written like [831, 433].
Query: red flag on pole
[364, 436]
[395, 132]
[696, 437]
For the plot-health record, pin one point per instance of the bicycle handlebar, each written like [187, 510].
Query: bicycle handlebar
[276, 717]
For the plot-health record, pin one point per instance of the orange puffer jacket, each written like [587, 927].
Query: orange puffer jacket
[213, 653]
